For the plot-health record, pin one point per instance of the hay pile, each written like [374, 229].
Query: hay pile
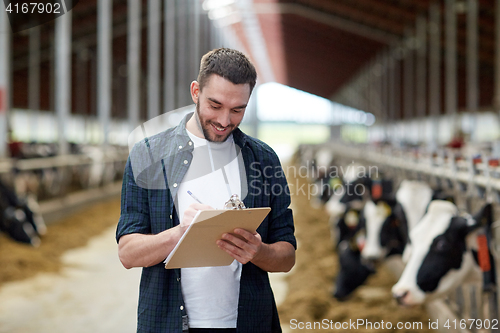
[310, 284]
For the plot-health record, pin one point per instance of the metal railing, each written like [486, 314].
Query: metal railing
[477, 175]
[56, 176]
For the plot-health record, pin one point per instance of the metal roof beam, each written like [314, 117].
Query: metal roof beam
[353, 13]
[328, 19]
[385, 9]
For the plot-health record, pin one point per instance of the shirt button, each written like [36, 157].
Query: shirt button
[170, 216]
[190, 143]
[180, 147]
[178, 279]
[175, 184]
[182, 307]
[186, 162]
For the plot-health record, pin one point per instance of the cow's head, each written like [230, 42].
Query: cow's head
[439, 259]
[352, 273]
[414, 196]
[350, 224]
[381, 229]
[13, 222]
[345, 199]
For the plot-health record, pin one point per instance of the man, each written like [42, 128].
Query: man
[208, 155]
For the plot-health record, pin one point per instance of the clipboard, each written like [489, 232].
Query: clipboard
[198, 248]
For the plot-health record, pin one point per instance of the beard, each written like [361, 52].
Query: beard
[206, 128]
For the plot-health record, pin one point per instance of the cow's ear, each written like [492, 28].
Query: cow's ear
[467, 223]
[440, 194]
[464, 224]
[484, 216]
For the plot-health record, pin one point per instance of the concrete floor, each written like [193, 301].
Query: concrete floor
[94, 293]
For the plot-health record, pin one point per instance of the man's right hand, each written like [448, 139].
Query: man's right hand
[191, 212]
[141, 250]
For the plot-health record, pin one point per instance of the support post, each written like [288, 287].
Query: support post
[34, 79]
[385, 84]
[421, 74]
[196, 38]
[63, 78]
[182, 56]
[434, 69]
[134, 62]
[451, 60]
[408, 79]
[472, 63]
[496, 95]
[154, 11]
[104, 66]
[5, 88]
[169, 54]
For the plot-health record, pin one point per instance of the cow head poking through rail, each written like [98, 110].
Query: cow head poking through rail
[441, 258]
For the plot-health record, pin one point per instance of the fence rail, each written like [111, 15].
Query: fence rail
[475, 175]
[57, 176]
[31, 164]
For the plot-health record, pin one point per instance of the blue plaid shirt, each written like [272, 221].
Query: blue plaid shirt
[147, 207]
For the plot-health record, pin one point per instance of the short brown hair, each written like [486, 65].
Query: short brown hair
[230, 64]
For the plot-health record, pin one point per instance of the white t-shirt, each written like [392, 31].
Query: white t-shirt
[211, 293]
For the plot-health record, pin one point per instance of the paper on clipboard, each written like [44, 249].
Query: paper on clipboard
[198, 248]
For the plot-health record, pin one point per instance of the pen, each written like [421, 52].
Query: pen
[195, 198]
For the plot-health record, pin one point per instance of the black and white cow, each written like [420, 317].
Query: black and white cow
[388, 221]
[324, 176]
[384, 232]
[350, 224]
[441, 255]
[348, 193]
[17, 219]
[350, 234]
[352, 271]
[28, 205]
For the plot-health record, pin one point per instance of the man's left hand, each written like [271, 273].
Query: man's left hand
[243, 245]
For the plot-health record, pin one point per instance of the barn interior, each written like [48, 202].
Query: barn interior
[392, 91]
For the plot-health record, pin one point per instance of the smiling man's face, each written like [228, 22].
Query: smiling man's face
[220, 107]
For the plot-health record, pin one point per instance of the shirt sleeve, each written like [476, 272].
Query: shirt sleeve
[134, 214]
[281, 226]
